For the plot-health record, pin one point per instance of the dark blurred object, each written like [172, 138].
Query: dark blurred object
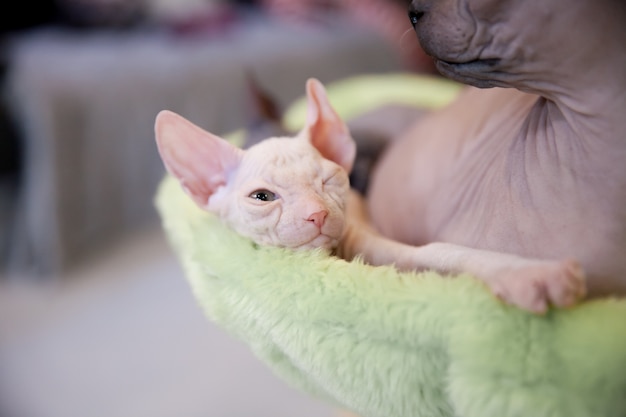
[266, 105]
[373, 130]
[10, 173]
[101, 13]
[264, 114]
[10, 150]
[27, 14]
[23, 16]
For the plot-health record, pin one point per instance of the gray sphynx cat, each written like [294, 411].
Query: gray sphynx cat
[536, 168]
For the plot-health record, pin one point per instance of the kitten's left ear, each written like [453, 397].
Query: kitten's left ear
[326, 130]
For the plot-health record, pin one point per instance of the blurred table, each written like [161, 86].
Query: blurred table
[85, 104]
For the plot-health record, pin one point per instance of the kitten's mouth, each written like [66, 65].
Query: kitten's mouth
[322, 241]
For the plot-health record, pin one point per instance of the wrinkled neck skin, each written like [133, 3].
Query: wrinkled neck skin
[572, 53]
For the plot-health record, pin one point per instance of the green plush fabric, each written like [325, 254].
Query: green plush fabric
[390, 344]
[359, 94]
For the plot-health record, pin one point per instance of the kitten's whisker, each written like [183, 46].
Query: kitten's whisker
[403, 37]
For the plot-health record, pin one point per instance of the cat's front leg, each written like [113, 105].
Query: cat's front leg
[535, 285]
[530, 284]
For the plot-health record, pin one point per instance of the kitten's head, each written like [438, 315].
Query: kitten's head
[287, 191]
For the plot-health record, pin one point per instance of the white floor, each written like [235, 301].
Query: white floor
[123, 337]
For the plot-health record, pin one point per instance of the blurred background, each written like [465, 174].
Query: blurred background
[96, 318]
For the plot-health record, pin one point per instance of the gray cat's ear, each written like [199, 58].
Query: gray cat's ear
[200, 160]
[325, 129]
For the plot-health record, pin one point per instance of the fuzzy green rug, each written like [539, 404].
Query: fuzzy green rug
[390, 344]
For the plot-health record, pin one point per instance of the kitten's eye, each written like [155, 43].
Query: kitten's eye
[263, 195]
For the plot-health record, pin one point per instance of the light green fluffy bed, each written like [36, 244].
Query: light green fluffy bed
[390, 344]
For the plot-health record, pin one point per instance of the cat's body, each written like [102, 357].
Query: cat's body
[294, 192]
[534, 166]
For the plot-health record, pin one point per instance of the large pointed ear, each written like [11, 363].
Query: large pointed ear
[326, 130]
[200, 160]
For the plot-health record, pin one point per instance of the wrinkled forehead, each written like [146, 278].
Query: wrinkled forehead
[285, 156]
[280, 152]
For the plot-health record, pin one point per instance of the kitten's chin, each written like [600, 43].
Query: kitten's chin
[321, 242]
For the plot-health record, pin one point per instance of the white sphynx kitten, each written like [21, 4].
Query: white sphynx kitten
[294, 192]
[535, 166]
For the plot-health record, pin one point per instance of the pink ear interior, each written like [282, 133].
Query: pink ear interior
[200, 160]
[327, 131]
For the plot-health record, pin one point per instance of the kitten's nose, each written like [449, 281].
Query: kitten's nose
[318, 217]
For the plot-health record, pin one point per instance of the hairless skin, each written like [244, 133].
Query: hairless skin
[535, 166]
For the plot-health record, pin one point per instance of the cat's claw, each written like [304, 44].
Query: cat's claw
[538, 285]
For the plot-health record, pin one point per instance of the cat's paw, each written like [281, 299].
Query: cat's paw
[535, 286]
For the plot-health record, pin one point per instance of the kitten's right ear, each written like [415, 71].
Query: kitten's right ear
[200, 160]
[325, 129]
